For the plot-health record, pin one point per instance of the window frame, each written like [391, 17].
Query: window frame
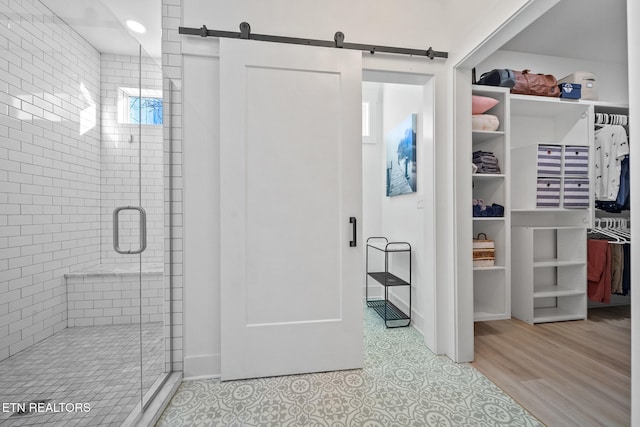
[124, 106]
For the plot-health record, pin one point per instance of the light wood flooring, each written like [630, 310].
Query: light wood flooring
[566, 373]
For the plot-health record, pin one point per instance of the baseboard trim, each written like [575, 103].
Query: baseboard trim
[202, 367]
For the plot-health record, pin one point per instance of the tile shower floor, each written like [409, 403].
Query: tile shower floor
[95, 365]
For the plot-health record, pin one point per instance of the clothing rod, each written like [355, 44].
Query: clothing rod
[338, 42]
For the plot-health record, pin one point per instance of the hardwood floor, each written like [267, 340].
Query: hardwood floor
[566, 373]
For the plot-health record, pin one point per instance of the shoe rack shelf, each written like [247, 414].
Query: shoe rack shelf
[393, 286]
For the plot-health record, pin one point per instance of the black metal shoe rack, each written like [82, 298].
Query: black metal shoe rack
[393, 316]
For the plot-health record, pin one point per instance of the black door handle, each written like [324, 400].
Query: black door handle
[354, 222]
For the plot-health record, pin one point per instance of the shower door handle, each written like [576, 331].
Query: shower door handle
[116, 230]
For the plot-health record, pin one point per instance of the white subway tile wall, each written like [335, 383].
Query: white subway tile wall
[49, 169]
[120, 167]
[172, 95]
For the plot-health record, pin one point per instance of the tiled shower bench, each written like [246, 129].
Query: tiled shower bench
[109, 294]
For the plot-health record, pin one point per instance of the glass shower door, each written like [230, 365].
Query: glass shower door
[148, 106]
[138, 213]
[136, 207]
[124, 213]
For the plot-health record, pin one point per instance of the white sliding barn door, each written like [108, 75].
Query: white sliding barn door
[290, 181]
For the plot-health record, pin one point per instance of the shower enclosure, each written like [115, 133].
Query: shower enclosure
[84, 304]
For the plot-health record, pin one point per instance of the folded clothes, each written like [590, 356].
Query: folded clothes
[482, 153]
[480, 209]
[485, 159]
[482, 168]
[486, 162]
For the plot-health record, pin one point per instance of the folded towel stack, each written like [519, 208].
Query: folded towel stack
[486, 162]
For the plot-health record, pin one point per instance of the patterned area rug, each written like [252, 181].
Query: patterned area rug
[402, 384]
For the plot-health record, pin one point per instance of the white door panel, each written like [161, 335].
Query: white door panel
[290, 180]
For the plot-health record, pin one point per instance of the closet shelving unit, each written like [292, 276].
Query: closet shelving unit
[393, 316]
[536, 121]
[551, 269]
[549, 244]
[491, 285]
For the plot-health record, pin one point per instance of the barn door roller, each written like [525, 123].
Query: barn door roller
[338, 41]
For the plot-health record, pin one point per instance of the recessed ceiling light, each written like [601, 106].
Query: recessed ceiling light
[135, 26]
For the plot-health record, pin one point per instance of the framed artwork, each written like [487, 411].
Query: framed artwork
[401, 157]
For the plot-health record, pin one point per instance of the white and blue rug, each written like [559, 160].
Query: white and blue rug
[402, 384]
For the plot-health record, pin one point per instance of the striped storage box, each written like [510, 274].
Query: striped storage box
[576, 193]
[548, 193]
[549, 159]
[576, 160]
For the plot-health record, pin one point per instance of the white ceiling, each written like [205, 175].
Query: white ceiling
[582, 29]
[101, 23]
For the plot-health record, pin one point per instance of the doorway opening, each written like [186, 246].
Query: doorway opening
[389, 99]
[548, 284]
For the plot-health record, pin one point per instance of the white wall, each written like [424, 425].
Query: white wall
[402, 216]
[49, 170]
[418, 24]
[202, 217]
[372, 176]
[633, 41]
[612, 77]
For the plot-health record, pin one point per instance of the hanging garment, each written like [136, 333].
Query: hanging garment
[623, 191]
[617, 268]
[598, 271]
[611, 145]
[626, 274]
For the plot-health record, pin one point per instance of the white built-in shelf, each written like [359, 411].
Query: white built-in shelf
[558, 227]
[554, 291]
[488, 175]
[542, 263]
[609, 107]
[548, 210]
[550, 262]
[555, 314]
[486, 135]
[480, 316]
[491, 285]
[543, 106]
[494, 268]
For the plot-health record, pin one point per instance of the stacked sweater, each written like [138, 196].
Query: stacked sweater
[486, 162]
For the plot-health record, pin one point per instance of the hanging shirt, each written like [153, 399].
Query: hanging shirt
[611, 145]
[598, 271]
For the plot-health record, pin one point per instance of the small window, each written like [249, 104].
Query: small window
[137, 106]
